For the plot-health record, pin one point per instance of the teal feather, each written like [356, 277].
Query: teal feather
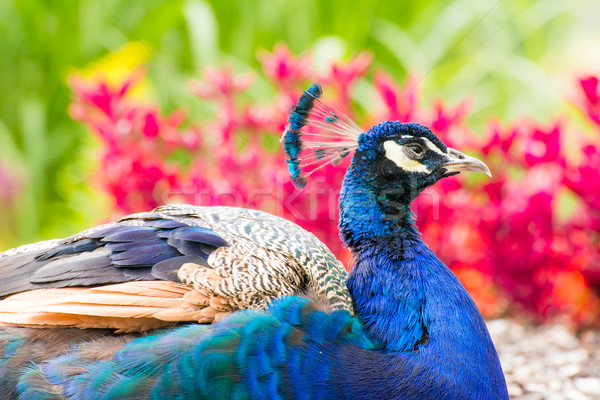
[244, 356]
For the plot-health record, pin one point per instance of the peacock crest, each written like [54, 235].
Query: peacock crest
[317, 135]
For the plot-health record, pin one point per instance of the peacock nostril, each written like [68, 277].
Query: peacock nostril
[456, 154]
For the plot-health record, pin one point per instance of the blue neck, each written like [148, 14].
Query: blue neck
[413, 306]
[387, 283]
[407, 297]
[367, 212]
[409, 301]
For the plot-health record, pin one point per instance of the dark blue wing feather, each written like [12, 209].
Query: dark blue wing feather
[164, 223]
[141, 274]
[154, 244]
[200, 235]
[131, 234]
[68, 268]
[168, 268]
[80, 246]
[115, 253]
[143, 257]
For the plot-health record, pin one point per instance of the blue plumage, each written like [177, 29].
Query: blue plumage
[417, 334]
[131, 234]
[114, 253]
[248, 355]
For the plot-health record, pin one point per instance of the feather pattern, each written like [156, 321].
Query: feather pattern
[128, 307]
[246, 355]
[332, 138]
[234, 258]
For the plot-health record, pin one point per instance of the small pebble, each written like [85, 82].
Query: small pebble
[575, 395]
[547, 362]
[536, 387]
[588, 385]
[569, 370]
[498, 326]
[531, 396]
[555, 385]
[566, 357]
[514, 390]
[522, 371]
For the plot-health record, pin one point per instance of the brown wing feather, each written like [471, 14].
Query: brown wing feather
[127, 307]
[266, 257]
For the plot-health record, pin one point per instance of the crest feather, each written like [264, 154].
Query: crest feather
[317, 135]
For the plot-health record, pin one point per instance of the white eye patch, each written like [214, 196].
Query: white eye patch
[396, 153]
[430, 145]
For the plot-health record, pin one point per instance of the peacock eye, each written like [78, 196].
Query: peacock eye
[414, 150]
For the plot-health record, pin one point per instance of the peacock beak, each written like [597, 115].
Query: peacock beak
[459, 162]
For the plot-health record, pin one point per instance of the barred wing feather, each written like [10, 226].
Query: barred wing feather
[177, 263]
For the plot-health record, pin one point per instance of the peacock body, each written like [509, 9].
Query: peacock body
[417, 334]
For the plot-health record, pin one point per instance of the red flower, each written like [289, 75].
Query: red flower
[584, 180]
[343, 76]
[544, 146]
[220, 83]
[499, 140]
[400, 104]
[591, 103]
[283, 68]
[10, 185]
[150, 128]
[509, 239]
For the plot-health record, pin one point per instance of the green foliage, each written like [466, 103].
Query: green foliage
[510, 58]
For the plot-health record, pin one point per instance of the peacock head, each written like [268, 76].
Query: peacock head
[392, 163]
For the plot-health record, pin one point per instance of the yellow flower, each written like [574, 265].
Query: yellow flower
[117, 66]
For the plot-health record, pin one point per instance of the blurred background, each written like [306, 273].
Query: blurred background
[111, 107]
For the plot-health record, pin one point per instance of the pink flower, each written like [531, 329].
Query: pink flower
[400, 104]
[508, 239]
[219, 83]
[591, 103]
[343, 76]
[100, 95]
[544, 146]
[283, 68]
[584, 180]
[590, 89]
[450, 125]
[10, 185]
[500, 140]
[150, 128]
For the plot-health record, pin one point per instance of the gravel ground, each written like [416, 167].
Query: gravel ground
[547, 362]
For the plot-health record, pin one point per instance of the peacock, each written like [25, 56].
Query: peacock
[287, 321]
